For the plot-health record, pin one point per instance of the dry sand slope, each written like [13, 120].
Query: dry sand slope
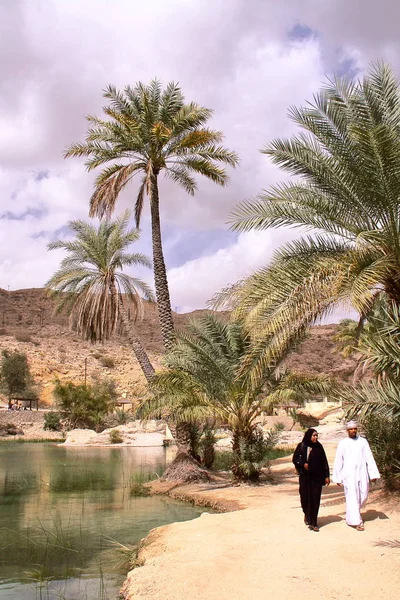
[265, 551]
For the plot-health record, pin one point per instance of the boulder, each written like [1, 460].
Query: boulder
[306, 419]
[10, 429]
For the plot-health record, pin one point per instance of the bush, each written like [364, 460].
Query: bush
[115, 437]
[84, 406]
[24, 336]
[383, 434]
[108, 362]
[251, 454]
[223, 460]
[3, 331]
[121, 416]
[52, 421]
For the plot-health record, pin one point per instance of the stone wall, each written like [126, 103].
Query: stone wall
[21, 417]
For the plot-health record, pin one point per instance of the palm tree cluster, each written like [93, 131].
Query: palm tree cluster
[344, 196]
[346, 192]
[204, 379]
[147, 131]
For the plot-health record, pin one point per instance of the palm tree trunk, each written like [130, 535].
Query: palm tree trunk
[160, 272]
[139, 351]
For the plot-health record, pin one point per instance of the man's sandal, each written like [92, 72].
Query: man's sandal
[360, 527]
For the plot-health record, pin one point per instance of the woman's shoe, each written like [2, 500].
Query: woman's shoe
[315, 528]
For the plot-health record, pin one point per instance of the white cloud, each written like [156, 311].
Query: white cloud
[196, 281]
[236, 57]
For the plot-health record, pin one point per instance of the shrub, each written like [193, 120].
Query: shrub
[115, 437]
[97, 355]
[24, 336]
[121, 416]
[83, 406]
[223, 460]
[52, 421]
[251, 454]
[3, 331]
[383, 434]
[108, 362]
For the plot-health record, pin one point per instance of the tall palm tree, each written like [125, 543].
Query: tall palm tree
[91, 286]
[149, 130]
[346, 191]
[204, 379]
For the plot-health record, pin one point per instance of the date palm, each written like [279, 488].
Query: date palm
[204, 379]
[346, 192]
[148, 131]
[91, 286]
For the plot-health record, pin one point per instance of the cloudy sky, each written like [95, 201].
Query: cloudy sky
[248, 60]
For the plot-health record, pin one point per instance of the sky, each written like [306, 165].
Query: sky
[248, 60]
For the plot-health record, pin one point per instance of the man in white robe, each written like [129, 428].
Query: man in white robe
[354, 468]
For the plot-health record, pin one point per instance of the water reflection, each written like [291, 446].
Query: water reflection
[66, 516]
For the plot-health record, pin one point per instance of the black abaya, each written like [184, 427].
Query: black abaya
[311, 480]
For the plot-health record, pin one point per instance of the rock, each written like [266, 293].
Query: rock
[10, 429]
[15, 431]
[306, 419]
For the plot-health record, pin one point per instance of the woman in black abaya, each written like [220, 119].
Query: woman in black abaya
[311, 463]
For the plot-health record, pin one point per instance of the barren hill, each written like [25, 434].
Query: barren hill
[28, 323]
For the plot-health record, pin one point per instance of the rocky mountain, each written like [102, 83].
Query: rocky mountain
[28, 323]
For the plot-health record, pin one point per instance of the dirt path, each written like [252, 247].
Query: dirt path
[265, 551]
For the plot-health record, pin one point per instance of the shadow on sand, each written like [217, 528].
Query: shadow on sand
[324, 521]
[372, 515]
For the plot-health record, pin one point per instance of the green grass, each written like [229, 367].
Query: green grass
[279, 452]
[12, 440]
[224, 458]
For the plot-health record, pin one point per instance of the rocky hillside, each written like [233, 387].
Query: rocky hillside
[28, 323]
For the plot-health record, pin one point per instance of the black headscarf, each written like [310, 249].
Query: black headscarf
[318, 468]
[307, 438]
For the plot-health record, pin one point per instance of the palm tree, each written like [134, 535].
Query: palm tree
[346, 191]
[204, 379]
[90, 285]
[377, 404]
[150, 130]
[347, 336]
[379, 349]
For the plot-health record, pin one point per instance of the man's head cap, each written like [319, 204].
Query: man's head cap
[351, 425]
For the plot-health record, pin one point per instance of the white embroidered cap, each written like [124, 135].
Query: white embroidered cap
[351, 425]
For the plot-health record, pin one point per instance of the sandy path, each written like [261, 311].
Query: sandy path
[265, 550]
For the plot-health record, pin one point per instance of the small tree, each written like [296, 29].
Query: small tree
[15, 375]
[84, 405]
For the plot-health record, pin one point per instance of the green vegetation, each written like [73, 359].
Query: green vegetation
[15, 375]
[224, 459]
[206, 377]
[52, 421]
[90, 284]
[115, 437]
[148, 131]
[346, 163]
[377, 404]
[85, 405]
[383, 434]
